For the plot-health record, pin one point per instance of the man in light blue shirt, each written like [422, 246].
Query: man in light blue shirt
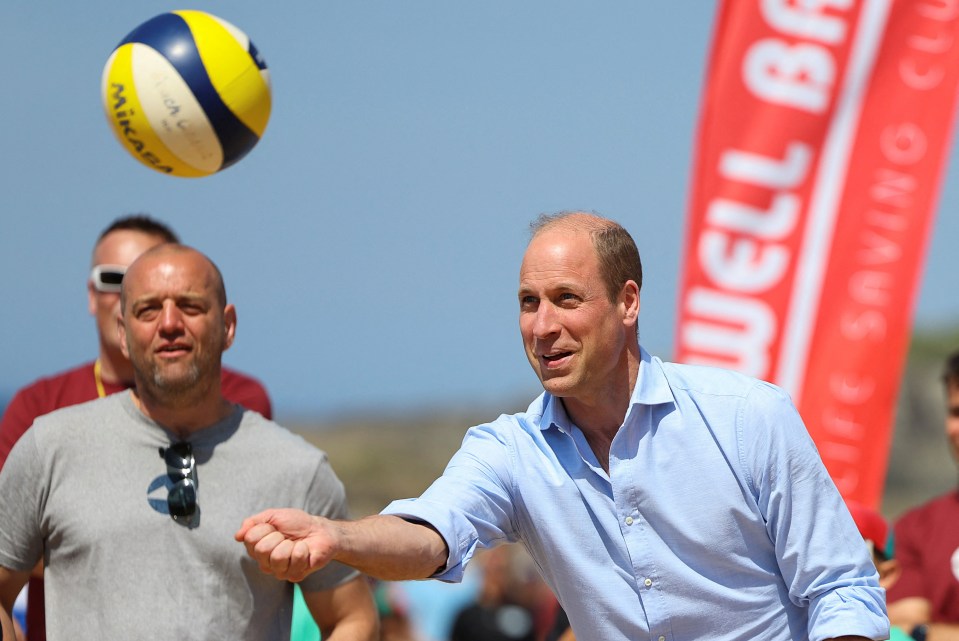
[660, 501]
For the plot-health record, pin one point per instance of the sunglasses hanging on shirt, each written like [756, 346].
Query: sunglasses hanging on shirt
[181, 468]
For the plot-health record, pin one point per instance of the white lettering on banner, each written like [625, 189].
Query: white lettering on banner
[843, 424]
[892, 194]
[822, 212]
[865, 314]
[774, 223]
[840, 445]
[741, 264]
[852, 389]
[734, 255]
[756, 169]
[799, 76]
[871, 288]
[863, 324]
[917, 71]
[903, 144]
[736, 334]
[877, 248]
[747, 264]
[806, 20]
[894, 188]
[941, 10]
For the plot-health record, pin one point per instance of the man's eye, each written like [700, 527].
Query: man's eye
[527, 302]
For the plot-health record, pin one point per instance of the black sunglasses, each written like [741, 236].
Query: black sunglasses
[181, 468]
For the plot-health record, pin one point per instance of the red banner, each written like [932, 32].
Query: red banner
[824, 129]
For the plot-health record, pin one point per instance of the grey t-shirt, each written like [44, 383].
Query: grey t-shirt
[85, 489]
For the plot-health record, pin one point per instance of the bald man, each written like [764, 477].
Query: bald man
[117, 246]
[134, 497]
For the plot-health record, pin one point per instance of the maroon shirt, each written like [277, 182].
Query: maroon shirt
[926, 544]
[76, 386]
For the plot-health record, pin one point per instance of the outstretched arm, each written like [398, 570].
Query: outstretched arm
[290, 544]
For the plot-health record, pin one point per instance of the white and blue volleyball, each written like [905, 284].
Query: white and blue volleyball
[187, 93]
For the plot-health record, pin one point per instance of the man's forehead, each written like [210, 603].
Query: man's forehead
[558, 259]
[165, 273]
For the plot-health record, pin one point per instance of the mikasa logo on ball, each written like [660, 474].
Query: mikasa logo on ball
[187, 93]
[122, 125]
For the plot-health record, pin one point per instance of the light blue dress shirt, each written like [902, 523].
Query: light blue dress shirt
[717, 519]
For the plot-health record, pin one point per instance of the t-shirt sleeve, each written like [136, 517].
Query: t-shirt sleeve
[21, 497]
[17, 418]
[908, 537]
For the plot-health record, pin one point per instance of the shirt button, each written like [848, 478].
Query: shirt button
[648, 582]
[629, 520]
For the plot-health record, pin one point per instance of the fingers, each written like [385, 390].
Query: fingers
[283, 558]
[249, 522]
[274, 553]
[298, 567]
[279, 542]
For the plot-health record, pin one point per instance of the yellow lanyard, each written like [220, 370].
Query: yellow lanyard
[98, 379]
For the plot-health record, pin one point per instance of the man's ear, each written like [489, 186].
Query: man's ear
[229, 326]
[629, 299]
[91, 298]
[122, 335]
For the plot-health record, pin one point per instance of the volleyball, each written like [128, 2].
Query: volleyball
[187, 94]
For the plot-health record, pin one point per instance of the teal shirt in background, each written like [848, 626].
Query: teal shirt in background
[303, 628]
[898, 634]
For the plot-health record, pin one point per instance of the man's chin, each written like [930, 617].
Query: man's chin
[558, 386]
[176, 380]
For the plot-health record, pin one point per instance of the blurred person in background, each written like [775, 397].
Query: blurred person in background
[876, 533]
[925, 599]
[513, 603]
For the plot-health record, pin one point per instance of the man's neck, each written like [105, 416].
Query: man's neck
[186, 417]
[598, 425]
[600, 418]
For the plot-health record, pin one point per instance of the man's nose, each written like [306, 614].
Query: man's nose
[170, 317]
[546, 321]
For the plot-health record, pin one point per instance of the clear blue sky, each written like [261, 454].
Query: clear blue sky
[371, 241]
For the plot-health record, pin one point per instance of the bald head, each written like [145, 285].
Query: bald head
[166, 258]
[618, 256]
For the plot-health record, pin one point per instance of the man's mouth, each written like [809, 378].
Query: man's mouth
[173, 349]
[554, 358]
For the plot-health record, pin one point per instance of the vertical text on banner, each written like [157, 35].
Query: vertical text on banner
[823, 133]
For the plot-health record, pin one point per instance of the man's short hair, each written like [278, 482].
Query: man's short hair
[950, 372]
[618, 255]
[141, 223]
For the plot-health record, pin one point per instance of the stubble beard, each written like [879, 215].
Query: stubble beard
[180, 389]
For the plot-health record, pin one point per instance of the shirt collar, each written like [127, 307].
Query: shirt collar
[651, 388]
